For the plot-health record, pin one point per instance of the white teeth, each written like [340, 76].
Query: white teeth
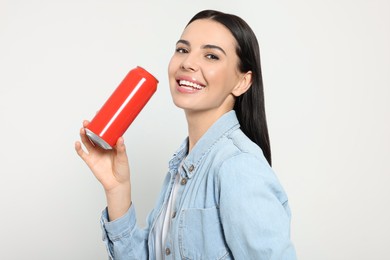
[190, 84]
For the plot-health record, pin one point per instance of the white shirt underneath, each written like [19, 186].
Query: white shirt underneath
[163, 222]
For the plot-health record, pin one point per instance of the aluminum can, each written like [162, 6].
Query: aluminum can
[121, 108]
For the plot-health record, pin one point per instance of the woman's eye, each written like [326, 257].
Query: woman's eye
[212, 57]
[181, 50]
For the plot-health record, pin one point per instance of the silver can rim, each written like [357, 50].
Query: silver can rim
[97, 139]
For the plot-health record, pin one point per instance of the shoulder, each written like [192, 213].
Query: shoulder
[242, 166]
[237, 147]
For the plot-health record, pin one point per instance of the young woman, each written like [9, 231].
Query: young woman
[221, 198]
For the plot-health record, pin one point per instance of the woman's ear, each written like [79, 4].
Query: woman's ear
[243, 85]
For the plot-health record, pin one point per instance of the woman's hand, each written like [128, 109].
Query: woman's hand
[111, 168]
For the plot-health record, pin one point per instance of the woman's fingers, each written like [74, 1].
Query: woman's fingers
[80, 150]
[121, 148]
[120, 145]
[85, 140]
[85, 123]
[121, 151]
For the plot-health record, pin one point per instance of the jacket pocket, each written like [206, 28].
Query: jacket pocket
[201, 235]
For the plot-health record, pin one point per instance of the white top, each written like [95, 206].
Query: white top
[163, 222]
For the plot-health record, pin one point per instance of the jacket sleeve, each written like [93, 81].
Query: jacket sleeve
[254, 210]
[122, 238]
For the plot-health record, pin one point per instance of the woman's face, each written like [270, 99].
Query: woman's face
[203, 70]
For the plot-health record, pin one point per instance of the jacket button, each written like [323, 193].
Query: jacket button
[192, 167]
[183, 181]
[167, 251]
[174, 214]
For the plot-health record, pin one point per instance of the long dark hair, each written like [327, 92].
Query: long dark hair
[249, 107]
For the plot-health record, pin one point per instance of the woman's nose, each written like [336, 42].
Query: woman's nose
[189, 63]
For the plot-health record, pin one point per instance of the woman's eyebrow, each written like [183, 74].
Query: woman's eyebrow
[183, 42]
[210, 46]
[207, 46]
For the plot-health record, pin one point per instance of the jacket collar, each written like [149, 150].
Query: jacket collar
[222, 127]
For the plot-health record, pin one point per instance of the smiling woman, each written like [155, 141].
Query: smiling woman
[221, 198]
[211, 63]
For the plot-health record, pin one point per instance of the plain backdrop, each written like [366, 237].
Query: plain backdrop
[326, 69]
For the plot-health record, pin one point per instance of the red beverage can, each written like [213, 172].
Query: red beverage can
[121, 108]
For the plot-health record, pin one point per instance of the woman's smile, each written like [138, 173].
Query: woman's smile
[189, 86]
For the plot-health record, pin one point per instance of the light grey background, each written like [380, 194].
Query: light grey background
[326, 67]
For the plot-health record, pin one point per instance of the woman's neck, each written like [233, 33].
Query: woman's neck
[199, 123]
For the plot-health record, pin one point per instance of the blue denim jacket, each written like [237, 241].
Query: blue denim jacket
[230, 206]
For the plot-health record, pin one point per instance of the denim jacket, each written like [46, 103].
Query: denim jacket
[230, 205]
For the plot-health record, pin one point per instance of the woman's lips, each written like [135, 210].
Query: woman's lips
[186, 86]
[190, 84]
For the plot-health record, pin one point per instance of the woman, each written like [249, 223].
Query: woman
[220, 199]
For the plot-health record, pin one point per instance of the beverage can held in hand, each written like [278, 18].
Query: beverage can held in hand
[121, 108]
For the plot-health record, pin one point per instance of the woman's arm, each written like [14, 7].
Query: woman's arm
[111, 168]
[123, 239]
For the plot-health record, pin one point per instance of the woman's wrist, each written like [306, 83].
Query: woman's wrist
[118, 201]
